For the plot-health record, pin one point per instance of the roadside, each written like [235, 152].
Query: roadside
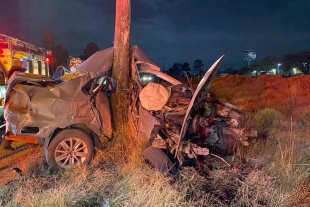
[23, 161]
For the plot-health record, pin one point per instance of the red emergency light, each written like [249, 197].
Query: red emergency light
[4, 45]
[47, 59]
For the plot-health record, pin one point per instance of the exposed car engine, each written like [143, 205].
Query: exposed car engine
[213, 128]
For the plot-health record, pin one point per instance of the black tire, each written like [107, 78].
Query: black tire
[159, 160]
[72, 145]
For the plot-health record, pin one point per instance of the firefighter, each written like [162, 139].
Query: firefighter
[74, 64]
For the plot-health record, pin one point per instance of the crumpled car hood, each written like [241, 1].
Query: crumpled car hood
[199, 95]
[101, 62]
[98, 65]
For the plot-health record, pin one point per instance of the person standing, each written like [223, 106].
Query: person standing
[74, 64]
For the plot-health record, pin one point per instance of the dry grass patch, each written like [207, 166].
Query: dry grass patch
[89, 186]
[282, 94]
[273, 171]
[267, 120]
[301, 196]
[18, 157]
[84, 186]
[110, 179]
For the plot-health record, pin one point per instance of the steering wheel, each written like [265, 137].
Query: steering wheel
[95, 89]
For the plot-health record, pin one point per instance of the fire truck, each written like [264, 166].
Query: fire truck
[17, 55]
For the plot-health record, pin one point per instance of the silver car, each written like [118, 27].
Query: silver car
[70, 117]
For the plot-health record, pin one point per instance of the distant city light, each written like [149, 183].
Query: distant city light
[23, 59]
[279, 64]
[296, 71]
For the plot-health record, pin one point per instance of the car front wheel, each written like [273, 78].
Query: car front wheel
[69, 148]
[159, 160]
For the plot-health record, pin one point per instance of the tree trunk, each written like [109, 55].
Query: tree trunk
[121, 66]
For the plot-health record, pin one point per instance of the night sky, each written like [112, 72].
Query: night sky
[181, 30]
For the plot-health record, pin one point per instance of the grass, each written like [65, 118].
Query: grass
[272, 171]
[274, 174]
[267, 119]
[283, 94]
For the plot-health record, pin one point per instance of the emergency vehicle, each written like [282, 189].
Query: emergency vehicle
[16, 55]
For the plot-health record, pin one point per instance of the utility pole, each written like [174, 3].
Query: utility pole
[120, 70]
[158, 61]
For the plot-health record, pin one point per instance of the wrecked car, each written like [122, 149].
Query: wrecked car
[70, 117]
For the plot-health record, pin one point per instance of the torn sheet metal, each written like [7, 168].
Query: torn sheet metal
[52, 107]
[146, 123]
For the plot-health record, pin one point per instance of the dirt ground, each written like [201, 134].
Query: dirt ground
[7, 175]
[22, 162]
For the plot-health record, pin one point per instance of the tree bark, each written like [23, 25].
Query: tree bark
[121, 66]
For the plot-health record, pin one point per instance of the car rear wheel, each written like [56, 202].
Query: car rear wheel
[159, 160]
[69, 148]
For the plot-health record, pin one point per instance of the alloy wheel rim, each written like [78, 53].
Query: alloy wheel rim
[71, 151]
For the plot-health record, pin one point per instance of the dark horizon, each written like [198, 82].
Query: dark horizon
[181, 31]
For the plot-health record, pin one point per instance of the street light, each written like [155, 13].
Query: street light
[274, 71]
[279, 64]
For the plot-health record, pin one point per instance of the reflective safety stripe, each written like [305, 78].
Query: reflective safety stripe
[66, 71]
